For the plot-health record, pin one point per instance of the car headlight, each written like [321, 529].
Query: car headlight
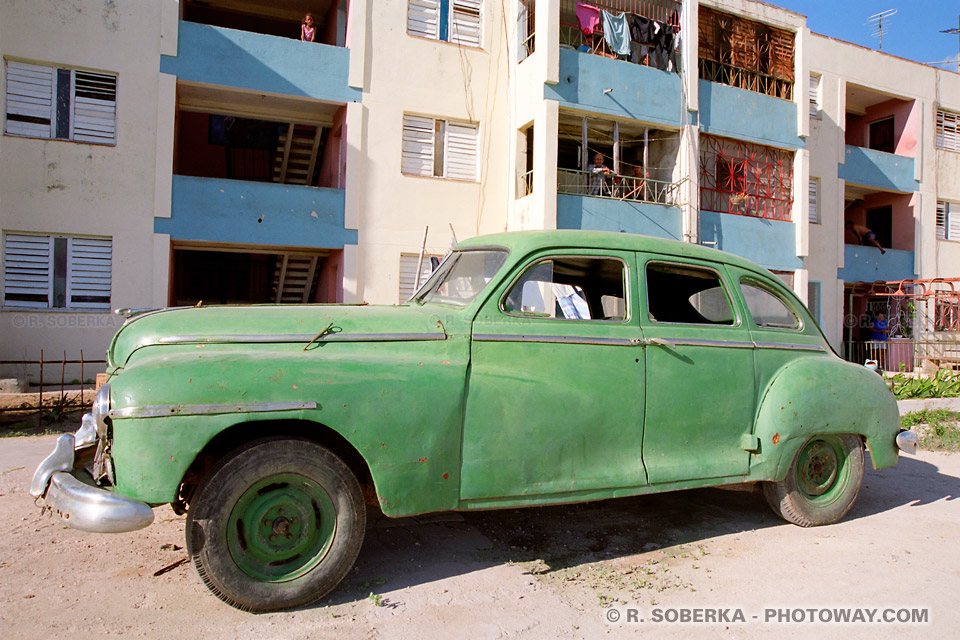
[100, 410]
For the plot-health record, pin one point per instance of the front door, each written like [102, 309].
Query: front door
[700, 372]
[555, 391]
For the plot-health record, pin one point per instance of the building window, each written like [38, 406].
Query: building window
[408, 272]
[948, 130]
[948, 220]
[526, 27]
[815, 96]
[882, 135]
[439, 148]
[947, 313]
[814, 200]
[57, 272]
[813, 299]
[457, 21]
[745, 54]
[62, 104]
[746, 179]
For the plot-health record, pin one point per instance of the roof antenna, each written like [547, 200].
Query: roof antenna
[878, 28]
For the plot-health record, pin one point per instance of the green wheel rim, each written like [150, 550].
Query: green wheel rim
[281, 528]
[822, 469]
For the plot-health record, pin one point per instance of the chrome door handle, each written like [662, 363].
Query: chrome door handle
[659, 342]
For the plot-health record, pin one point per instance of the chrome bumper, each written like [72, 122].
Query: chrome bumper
[907, 441]
[80, 505]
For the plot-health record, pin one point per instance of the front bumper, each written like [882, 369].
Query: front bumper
[80, 505]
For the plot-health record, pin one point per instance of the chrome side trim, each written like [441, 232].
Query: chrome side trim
[162, 410]
[788, 346]
[730, 344]
[81, 506]
[494, 337]
[299, 337]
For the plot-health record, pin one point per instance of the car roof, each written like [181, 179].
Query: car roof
[523, 242]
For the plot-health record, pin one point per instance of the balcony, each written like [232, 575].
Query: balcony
[609, 86]
[261, 213]
[878, 169]
[263, 63]
[771, 243]
[747, 115]
[628, 216]
[867, 264]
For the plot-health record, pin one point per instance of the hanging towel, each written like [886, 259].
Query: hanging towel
[616, 31]
[588, 16]
[641, 29]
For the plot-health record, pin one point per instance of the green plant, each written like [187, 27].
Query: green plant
[376, 599]
[942, 384]
[940, 429]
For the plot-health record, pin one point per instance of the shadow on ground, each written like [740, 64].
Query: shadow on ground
[407, 552]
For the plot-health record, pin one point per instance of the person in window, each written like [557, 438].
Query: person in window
[599, 172]
[308, 31]
[863, 234]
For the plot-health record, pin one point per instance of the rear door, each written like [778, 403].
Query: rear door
[700, 371]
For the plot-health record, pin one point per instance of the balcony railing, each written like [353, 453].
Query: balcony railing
[903, 354]
[617, 187]
[666, 12]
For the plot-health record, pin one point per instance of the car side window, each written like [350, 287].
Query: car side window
[687, 294]
[767, 309]
[570, 288]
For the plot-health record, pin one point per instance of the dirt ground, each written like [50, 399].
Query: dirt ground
[552, 572]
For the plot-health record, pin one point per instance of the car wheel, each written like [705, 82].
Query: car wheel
[822, 483]
[276, 525]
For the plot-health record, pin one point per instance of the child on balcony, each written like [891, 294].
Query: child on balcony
[308, 31]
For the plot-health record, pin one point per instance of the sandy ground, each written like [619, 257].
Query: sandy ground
[543, 573]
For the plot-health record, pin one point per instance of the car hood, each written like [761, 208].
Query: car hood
[258, 324]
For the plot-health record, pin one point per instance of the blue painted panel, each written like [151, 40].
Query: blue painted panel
[604, 214]
[215, 210]
[639, 92]
[870, 168]
[270, 64]
[748, 115]
[866, 264]
[770, 243]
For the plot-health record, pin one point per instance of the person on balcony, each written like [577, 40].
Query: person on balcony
[878, 338]
[864, 234]
[598, 176]
[308, 31]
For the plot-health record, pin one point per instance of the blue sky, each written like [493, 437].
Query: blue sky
[914, 32]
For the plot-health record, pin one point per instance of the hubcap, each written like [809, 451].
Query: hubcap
[820, 469]
[281, 528]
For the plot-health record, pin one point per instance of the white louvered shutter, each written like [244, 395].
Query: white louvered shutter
[813, 299]
[94, 107]
[814, 201]
[423, 18]
[948, 130]
[465, 21]
[953, 221]
[30, 99]
[814, 95]
[27, 270]
[89, 269]
[461, 150]
[408, 273]
[418, 136]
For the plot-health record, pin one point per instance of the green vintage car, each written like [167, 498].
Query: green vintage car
[531, 368]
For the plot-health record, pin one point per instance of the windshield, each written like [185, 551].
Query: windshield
[461, 277]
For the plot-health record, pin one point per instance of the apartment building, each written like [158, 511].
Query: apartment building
[198, 152]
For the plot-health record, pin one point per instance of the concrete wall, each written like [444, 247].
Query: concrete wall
[462, 83]
[905, 115]
[59, 187]
[604, 214]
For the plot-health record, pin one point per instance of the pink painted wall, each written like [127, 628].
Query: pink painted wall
[330, 285]
[902, 223]
[333, 164]
[906, 117]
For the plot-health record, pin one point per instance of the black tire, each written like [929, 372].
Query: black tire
[823, 482]
[276, 525]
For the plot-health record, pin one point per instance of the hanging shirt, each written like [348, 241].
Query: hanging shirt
[641, 29]
[616, 31]
[588, 16]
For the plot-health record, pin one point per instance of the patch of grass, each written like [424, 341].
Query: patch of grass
[939, 429]
[376, 599]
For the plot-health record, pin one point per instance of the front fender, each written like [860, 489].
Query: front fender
[823, 395]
